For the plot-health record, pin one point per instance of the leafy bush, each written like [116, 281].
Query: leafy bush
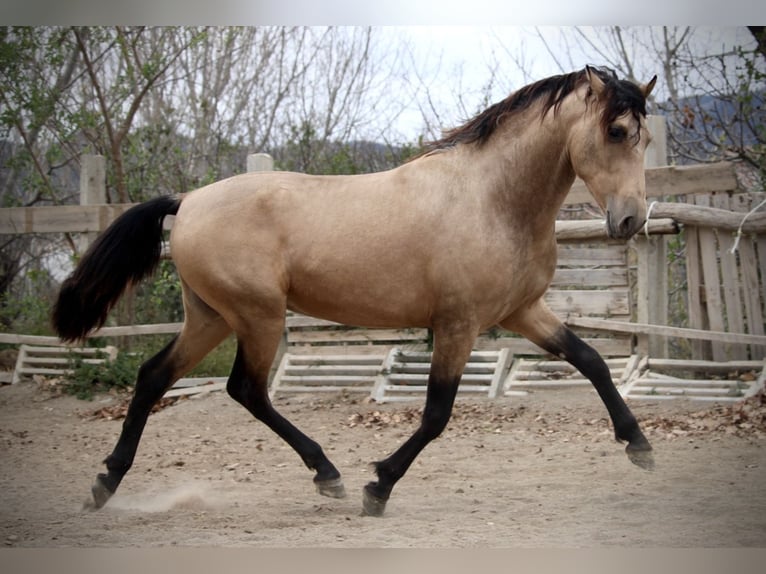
[86, 379]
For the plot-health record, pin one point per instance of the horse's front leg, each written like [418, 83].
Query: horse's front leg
[451, 352]
[538, 324]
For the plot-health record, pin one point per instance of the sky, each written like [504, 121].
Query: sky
[456, 62]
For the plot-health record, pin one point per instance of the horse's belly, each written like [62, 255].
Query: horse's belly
[365, 299]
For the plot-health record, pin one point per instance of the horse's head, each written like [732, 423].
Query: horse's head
[607, 146]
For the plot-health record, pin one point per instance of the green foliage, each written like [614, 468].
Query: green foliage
[307, 152]
[158, 300]
[36, 67]
[27, 310]
[87, 379]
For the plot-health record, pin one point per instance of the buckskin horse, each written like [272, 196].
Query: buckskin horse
[458, 240]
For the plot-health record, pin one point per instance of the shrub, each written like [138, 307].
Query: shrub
[86, 379]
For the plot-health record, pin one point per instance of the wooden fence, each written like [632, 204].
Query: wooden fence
[727, 287]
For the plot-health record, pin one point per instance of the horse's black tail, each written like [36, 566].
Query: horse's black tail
[126, 252]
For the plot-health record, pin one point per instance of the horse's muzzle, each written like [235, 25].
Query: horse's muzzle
[624, 219]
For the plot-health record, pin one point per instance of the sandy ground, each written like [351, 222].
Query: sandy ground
[537, 471]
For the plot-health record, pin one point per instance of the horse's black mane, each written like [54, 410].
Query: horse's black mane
[620, 95]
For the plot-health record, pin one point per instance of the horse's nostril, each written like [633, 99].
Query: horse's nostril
[626, 225]
[622, 229]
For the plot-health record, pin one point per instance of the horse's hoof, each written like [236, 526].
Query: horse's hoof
[372, 505]
[641, 456]
[333, 488]
[101, 494]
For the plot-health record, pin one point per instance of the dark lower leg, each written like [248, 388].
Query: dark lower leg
[251, 392]
[436, 414]
[154, 377]
[569, 346]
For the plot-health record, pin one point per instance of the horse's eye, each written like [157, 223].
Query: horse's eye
[616, 134]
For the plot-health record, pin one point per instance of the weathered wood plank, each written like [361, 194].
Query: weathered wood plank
[208, 386]
[339, 370]
[425, 367]
[340, 347]
[751, 291]
[59, 218]
[705, 216]
[66, 350]
[297, 321]
[730, 284]
[761, 249]
[355, 336]
[347, 380]
[65, 360]
[128, 330]
[156, 329]
[652, 290]
[368, 360]
[609, 277]
[710, 366]
[683, 332]
[611, 346]
[504, 360]
[673, 180]
[570, 230]
[589, 302]
[748, 260]
[708, 383]
[712, 280]
[15, 339]
[697, 315]
[323, 388]
[604, 255]
[639, 388]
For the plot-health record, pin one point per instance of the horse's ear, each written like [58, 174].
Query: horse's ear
[646, 89]
[597, 85]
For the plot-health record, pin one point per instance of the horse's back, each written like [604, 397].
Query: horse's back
[381, 249]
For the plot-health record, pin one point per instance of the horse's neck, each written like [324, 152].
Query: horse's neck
[531, 170]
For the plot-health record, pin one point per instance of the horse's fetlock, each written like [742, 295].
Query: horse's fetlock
[116, 465]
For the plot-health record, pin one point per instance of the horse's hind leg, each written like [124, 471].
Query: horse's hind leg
[202, 331]
[538, 324]
[248, 385]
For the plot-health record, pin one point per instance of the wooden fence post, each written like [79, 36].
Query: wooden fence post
[260, 162]
[92, 190]
[652, 281]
